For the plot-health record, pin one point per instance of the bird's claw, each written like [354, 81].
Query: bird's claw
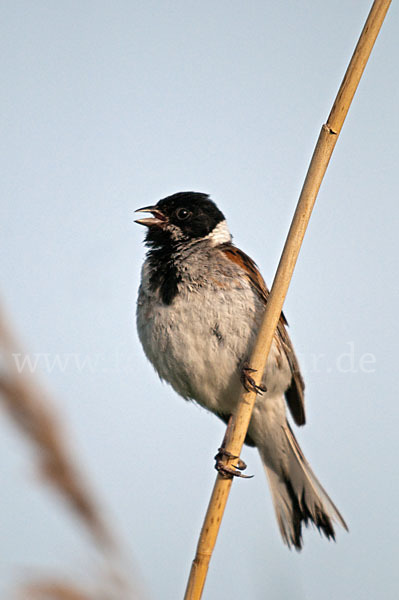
[233, 470]
[248, 381]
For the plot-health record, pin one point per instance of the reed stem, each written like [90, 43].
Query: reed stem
[321, 156]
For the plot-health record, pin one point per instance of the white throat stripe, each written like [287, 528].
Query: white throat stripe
[220, 235]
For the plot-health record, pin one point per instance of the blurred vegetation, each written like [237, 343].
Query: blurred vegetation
[34, 415]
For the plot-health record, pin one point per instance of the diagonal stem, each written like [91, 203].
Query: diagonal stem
[317, 168]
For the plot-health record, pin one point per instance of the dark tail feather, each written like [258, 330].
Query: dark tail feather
[299, 497]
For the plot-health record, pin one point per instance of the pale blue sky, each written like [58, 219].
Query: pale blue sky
[107, 107]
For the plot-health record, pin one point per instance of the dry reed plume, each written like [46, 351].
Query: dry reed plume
[34, 414]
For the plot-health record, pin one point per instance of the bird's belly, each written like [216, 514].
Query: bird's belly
[198, 345]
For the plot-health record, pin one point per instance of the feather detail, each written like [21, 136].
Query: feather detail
[298, 496]
[295, 393]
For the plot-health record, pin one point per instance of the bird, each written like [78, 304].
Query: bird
[200, 303]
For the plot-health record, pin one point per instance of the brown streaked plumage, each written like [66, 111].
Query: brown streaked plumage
[295, 393]
[200, 303]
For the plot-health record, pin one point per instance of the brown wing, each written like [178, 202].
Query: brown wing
[295, 393]
[294, 396]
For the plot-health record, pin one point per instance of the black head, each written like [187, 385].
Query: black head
[181, 217]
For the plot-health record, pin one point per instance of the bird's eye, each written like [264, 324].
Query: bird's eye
[182, 214]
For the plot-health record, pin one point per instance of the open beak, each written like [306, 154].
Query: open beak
[157, 220]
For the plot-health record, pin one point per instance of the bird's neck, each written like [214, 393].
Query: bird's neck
[166, 265]
[167, 258]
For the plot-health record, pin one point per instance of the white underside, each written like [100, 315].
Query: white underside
[181, 343]
[198, 344]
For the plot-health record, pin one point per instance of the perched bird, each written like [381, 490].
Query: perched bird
[200, 303]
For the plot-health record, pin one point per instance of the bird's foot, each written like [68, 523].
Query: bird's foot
[248, 381]
[233, 470]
